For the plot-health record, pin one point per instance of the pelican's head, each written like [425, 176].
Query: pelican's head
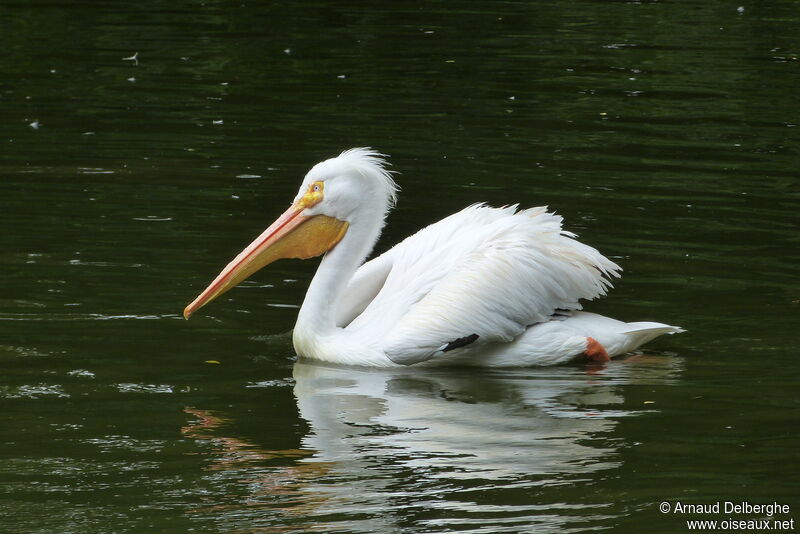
[336, 193]
[353, 183]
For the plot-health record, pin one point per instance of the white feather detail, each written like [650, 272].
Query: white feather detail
[370, 163]
[559, 341]
[490, 271]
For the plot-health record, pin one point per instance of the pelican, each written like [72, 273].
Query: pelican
[490, 287]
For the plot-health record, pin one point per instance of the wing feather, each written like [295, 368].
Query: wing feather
[485, 271]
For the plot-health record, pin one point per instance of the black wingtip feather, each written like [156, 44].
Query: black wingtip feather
[460, 342]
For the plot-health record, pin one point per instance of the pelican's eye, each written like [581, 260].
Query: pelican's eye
[313, 196]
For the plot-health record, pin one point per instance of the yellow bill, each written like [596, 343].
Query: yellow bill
[292, 235]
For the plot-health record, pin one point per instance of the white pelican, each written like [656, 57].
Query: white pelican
[495, 287]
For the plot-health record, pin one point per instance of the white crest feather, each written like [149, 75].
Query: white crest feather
[370, 162]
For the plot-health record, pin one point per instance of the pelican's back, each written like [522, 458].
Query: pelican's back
[483, 271]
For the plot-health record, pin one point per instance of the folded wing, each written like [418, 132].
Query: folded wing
[479, 276]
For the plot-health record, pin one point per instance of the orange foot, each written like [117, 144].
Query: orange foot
[595, 351]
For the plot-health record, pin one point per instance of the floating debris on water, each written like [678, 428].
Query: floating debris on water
[81, 372]
[94, 170]
[152, 218]
[134, 58]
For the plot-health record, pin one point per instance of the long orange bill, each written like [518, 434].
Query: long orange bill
[292, 235]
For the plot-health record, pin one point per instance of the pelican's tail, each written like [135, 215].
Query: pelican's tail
[616, 336]
[637, 334]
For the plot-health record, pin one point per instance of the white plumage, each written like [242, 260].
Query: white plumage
[484, 286]
[473, 273]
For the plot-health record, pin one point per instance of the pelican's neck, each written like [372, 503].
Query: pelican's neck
[318, 313]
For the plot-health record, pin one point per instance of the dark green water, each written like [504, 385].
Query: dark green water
[666, 133]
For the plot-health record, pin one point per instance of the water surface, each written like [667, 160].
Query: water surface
[144, 144]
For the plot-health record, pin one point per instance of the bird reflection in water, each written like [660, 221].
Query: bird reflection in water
[253, 467]
[384, 441]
